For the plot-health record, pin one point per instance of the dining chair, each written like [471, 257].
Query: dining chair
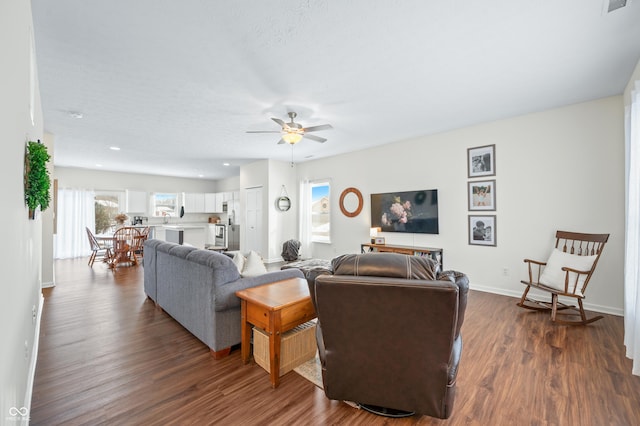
[97, 249]
[126, 241]
[144, 235]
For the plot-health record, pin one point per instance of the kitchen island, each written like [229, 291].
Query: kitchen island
[187, 234]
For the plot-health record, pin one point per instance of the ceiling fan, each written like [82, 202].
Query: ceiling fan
[293, 132]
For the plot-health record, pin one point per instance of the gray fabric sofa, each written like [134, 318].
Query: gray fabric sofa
[197, 288]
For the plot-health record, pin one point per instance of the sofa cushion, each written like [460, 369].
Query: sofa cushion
[253, 265]
[239, 260]
[392, 265]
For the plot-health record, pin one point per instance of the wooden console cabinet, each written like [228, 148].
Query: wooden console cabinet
[434, 253]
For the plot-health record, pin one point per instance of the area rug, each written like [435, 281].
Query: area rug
[312, 371]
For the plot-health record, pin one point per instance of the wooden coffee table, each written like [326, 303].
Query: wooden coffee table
[275, 308]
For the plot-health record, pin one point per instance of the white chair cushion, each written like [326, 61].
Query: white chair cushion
[239, 260]
[553, 275]
[253, 266]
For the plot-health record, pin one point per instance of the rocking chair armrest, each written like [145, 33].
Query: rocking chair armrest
[568, 284]
[567, 269]
[535, 261]
[532, 271]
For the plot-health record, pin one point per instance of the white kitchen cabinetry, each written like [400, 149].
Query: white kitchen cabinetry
[194, 202]
[213, 202]
[210, 202]
[136, 201]
[219, 201]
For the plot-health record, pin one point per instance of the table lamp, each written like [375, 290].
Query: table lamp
[373, 233]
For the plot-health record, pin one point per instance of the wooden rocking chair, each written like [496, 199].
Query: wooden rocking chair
[566, 273]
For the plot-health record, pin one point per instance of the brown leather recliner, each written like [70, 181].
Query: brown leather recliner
[389, 332]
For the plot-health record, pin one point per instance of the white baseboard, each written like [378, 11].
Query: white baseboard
[518, 294]
[34, 356]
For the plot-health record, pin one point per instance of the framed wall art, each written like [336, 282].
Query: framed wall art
[482, 195]
[482, 230]
[481, 161]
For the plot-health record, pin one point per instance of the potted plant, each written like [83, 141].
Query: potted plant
[120, 219]
[37, 180]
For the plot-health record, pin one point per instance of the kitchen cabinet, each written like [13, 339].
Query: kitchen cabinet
[210, 202]
[213, 202]
[136, 201]
[187, 234]
[219, 201]
[194, 202]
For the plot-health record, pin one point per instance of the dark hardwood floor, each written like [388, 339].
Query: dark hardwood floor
[107, 356]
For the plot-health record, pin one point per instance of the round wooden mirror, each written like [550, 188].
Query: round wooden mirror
[351, 202]
[283, 204]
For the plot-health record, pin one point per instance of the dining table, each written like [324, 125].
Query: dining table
[125, 243]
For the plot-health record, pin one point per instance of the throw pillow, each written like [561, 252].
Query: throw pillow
[239, 260]
[553, 275]
[253, 266]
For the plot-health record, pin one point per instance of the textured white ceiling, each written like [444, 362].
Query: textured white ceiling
[176, 84]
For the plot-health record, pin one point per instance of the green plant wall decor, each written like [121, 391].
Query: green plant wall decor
[37, 180]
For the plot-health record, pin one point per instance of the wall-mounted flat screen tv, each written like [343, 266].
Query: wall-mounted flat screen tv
[409, 211]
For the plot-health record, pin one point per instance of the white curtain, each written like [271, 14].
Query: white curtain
[76, 211]
[632, 240]
[305, 219]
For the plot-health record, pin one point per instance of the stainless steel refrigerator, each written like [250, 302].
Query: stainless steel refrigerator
[233, 237]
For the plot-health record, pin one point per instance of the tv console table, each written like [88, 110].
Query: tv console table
[433, 253]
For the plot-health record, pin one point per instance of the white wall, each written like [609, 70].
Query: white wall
[229, 184]
[558, 169]
[20, 255]
[283, 226]
[634, 77]
[48, 275]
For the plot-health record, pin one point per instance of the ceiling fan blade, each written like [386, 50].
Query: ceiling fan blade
[315, 138]
[281, 141]
[320, 127]
[264, 131]
[280, 122]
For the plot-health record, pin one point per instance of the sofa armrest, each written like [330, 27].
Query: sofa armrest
[226, 293]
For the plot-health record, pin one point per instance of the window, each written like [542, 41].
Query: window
[320, 212]
[107, 205]
[165, 204]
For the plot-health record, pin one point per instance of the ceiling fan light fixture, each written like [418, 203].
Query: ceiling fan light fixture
[292, 137]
